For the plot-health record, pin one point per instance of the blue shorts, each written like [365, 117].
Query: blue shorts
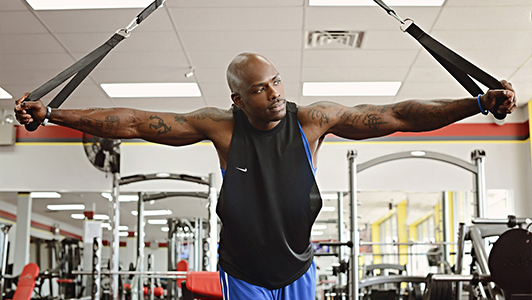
[303, 288]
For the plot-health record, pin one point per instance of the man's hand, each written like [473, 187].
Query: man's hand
[489, 99]
[37, 107]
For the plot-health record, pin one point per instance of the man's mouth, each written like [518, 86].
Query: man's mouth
[277, 105]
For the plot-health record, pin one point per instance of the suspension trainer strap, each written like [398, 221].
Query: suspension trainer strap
[461, 69]
[82, 68]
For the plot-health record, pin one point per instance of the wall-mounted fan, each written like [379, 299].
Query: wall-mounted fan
[103, 153]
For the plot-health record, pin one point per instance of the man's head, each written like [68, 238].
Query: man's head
[257, 89]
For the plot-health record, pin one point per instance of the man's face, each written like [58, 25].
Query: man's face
[261, 95]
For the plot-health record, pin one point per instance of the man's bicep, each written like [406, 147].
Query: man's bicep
[171, 128]
[365, 121]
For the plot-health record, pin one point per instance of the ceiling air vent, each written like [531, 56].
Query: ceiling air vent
[334, 39]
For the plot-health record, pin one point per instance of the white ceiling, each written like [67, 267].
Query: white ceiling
[36, 45]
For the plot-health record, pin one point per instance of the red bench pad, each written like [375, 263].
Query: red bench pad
[205, 284]
[26, 282]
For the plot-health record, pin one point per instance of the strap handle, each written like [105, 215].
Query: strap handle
[460, 68]
[83, 67]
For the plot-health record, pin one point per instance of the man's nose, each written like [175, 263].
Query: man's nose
[273, 93]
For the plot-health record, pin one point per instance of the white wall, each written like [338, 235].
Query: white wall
[65, 168]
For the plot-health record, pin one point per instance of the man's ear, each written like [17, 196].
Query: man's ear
[237, 100]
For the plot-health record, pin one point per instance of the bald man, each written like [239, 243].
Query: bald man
[267, 148]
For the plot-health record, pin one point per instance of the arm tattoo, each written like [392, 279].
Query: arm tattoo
[350, 119]
[208, 113]
[317, 114]
[180, 119]
[108, 126]
[161, 127]
[373, 121]
[211, 113]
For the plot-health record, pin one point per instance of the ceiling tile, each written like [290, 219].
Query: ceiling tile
[482, 18]
[270, 18]
[229, 40]
[137, 61]
[235, 3]
[35, 61]
[29, 43]
[137, 42]
[10, 23]
[221, 59]
[103, 20]
[458, 40]
[365, 18]
[359, 58]
[11, 5]
[355, 74]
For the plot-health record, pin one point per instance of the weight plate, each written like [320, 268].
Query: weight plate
[510, 261]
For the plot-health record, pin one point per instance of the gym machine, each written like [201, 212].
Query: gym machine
[477, 168]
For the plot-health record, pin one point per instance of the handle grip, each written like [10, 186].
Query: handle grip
[33, 125]
[498, 103]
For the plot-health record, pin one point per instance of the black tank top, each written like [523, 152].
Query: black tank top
[268, 203]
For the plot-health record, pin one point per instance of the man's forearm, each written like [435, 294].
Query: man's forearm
[430, 115]
[108, 123]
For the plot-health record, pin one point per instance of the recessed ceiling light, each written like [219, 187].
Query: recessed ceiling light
[153, 90]
[45, 195]
[157, 221]
[86, 4]
[123, 227]
[316, 233]
[160, 212]
[351, 88]
[372, 3]
[123, 233]
[4, 94]
[165, 229]
[65, 207]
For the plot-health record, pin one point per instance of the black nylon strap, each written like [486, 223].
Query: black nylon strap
[81, 68]
[460, 68]
[148, 10]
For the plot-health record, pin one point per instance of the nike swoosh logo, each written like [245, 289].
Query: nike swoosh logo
[242, 169]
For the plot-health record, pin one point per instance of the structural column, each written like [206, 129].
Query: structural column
[22, 243]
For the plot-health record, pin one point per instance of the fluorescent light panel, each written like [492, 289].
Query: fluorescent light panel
[160, 212]
[45, 195]
[4, 94]
[328, 208]
[143, 90]
[121, 198]
[372, 3]
[65, 207]
[86, 4]
[158, 221]
[96, 217]
[351, 88]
